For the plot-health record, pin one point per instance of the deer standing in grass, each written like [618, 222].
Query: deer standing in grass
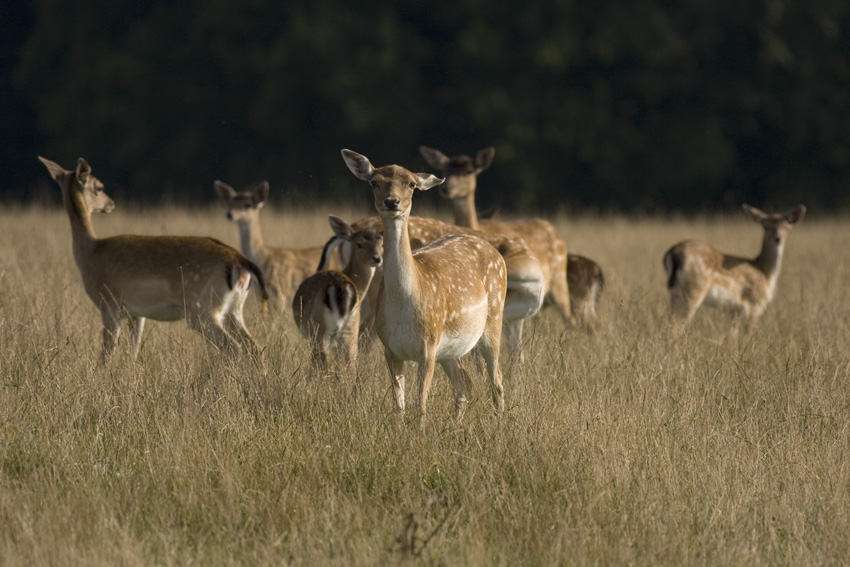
[698, 273]
[574, 282]
[437, 304]
[525, 277]
[283, 268]
[164, 278]
[327, 304]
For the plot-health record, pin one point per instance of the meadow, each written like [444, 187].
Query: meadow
[624, 445]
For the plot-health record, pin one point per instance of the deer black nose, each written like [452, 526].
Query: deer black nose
[391, 203]
[376, 259]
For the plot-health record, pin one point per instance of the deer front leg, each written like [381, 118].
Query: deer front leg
[111, 318]
[424, 375]
[396, 368]
[136, 326]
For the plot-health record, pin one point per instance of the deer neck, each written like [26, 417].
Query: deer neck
[251, 238]
[82, 231]
[464, 211]
[361, 275]
[400, 270]
[769, 260]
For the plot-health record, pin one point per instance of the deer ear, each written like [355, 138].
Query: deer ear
[56, 171]
[434, 158]
[83, 170]
[261, 193]
[796, 214]
[425, 181]
[225, 191]
[340, 227]
[755, 214]
[484, 158]
[358, 164]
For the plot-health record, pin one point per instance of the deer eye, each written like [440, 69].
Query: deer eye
[374, 184]
[412, 185]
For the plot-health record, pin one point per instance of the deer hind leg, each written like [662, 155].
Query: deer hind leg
[459, 379]
[136, 326]
[210, 326]
[750, 316]
[234, 323]
[489, 348]
[396, 368]
[234, 319]
[684, 303]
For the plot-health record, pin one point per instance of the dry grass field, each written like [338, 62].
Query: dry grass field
[621, 446]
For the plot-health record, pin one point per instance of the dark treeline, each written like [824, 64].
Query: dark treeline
[631, 105]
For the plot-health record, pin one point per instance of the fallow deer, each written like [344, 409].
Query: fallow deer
[525, 276]
[698, 273]
[283, 268]
[164, 278]
[575, 277]
[584, 278]
[439, 303]
[327, 304]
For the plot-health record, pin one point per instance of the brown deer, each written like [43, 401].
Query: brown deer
[164, 278]
[525, 277]
[698, 273]
[327, 304]
[580, 278]
[283, 268]
[584, 278]
[439, 303]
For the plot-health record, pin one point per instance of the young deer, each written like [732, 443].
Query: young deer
[327, 304]
[586, 282]
[439, 303]
[283, 268]
[698, 273]
[577, 278]
[164, 278]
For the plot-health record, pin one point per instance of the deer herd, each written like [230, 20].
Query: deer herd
[431, 291]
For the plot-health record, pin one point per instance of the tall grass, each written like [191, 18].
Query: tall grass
[620, 446]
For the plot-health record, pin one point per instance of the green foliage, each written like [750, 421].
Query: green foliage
[637, 104]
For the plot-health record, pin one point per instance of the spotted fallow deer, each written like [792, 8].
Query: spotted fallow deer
[525, 277]
[437, 304]
[164, 278]
[698, 273]
[584, 278]
[573, 276]
[283, 268]
[327, 304]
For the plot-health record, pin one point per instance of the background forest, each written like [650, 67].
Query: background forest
[627, 105]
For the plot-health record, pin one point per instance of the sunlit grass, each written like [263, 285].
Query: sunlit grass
[618, 446]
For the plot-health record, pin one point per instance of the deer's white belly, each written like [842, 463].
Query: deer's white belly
[721, 296]
[462, 331]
